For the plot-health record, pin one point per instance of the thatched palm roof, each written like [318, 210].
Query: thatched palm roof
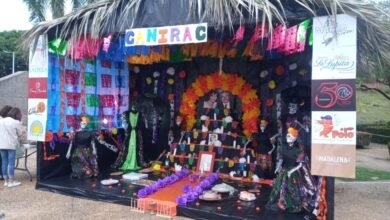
[115, 16]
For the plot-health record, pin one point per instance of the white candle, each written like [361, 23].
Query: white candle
[174, 151]
[248, 159]
[234, 144]
[215, 116]
[188, 140]
[222, 130]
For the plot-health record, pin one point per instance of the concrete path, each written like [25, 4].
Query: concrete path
[375, 156]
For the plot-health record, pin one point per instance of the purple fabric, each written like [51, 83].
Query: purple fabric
[161, 183]
[191, 194]
[186, 188]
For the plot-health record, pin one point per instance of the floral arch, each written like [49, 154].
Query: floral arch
[228, 82]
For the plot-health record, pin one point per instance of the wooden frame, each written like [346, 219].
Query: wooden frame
[205, 162]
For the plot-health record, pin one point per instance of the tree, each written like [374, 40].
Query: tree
[38, 8]
[9, 43]
[372, 72]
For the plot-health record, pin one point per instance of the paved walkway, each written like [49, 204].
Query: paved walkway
[352, 200]
[375, 156]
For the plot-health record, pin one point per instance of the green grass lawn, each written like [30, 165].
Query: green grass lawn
[367, 174]
[372, 107]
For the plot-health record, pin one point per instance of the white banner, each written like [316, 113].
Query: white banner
[180, 34]
[37, 107]
[38, 61]
[334, 47]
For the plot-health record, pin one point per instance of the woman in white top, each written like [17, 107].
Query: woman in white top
[3, 113]
[10, 130]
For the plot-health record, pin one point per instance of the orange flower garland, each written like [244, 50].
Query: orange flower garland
[227, 82]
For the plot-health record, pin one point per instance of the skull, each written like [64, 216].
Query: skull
[290, 138]
[292, 108]
[83, 124]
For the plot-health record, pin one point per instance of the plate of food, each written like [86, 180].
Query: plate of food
[247, 196]
[108, 182]
[222, 188]
[144, 182]
[255, 190]
[210, 196]
[118, 173]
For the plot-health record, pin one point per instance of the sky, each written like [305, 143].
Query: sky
[14, 15]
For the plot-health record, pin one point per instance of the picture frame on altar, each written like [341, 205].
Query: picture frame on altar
[205, 162]
[213, 138]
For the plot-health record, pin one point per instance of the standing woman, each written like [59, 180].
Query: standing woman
[3, 113]
[10, 130]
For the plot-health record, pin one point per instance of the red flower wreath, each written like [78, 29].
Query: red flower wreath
[228, 82]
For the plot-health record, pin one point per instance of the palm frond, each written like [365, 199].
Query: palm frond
[37, 10]
[115, 16]
[57, 8]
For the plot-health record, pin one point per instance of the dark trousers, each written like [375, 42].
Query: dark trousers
[1, 173]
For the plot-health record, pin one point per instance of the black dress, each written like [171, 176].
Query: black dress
[84, 161]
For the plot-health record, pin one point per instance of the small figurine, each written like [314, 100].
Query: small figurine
[84, 156]
[294, 188]
[265, 148]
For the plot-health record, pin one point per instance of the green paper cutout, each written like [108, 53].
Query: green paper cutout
[221, 164]
[190, 161]
[58, 46]
[302, 29]
[311, 38]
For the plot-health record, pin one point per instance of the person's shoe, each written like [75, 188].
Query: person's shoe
[5, 183]
[14, 183]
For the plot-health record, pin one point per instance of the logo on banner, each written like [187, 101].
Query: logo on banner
[333, 160]
[328, 129]
[37, 88]
[334, 47]
[333, 95]
[339, 63]
[334, 127]
[36, 128]
[38, 109]
[38, 62]
[333, 31]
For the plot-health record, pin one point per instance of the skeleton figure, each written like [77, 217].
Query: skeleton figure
[84, 156]
[294, 189]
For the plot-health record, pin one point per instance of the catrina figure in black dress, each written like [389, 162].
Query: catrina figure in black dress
[82, 151]
[84, 157]
[294, 189]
